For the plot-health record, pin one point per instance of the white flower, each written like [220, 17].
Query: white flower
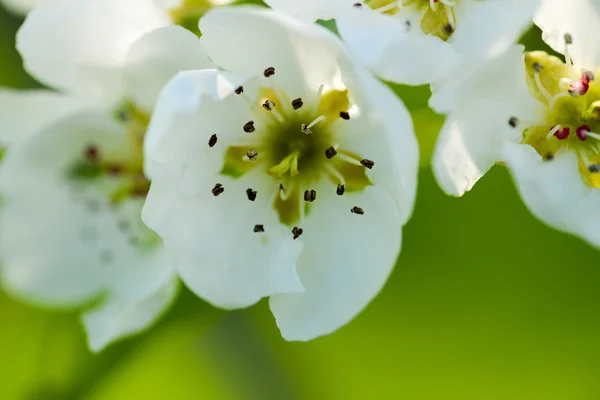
[72, 179]
[419, 41]
[262, 172]
[539, 115]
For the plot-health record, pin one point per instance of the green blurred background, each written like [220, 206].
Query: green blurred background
[485, 303]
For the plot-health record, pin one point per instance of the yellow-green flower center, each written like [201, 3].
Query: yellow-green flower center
[436, 16]
[189, 12]
[294, 142]
[572, 118]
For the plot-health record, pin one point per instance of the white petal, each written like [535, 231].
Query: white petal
[346, 261]
[156, 57]
[581, 19]
[249, 39]
[310, 10]
[554, 191]
[490, 26]
[211, 239]
[80, 45]
[122, 317]
[62, 244]
[391, 50]
[383, 132]
[23, 112]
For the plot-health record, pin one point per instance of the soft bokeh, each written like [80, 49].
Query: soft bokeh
[485, 303]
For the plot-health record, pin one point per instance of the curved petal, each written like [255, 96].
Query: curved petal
[393, 51]
[579, 18]
[347, 260]
[81, 45]
[310, 10]
[156, 57]
[64, 243]
[383, 132]
[210, 238]
[490, 26]
[120, 317]
[554, 191]
[23, 112]
[250, 39]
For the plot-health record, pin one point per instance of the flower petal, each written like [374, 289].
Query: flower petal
[383, 132]
[555, 192]
[156, 57]
[393, 51]
[579, 18]
[210, 238]
[80, 45]
[23, 112]
[20, 7]
[310, 10]
[347, 260]
[250, 39]
[122, 317]
[490, 26]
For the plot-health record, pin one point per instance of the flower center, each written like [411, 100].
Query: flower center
[104, 177]
[295, 143]
[436, 17]
[572, 119]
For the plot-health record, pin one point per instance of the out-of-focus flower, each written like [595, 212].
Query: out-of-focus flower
[419, 41]
[289, 174]
[539, 115]
[72, 179]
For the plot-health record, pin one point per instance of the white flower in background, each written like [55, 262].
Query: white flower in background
[72, 179]
[289, 174]
[419, 41]
[541, 116]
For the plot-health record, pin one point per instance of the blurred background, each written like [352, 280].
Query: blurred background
[485, 303]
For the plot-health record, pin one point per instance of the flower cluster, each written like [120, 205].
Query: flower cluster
[251, 153]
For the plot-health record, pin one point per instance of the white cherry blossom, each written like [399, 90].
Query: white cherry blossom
[419, 41]
[539, 115]
[72, 179]
[287, 174]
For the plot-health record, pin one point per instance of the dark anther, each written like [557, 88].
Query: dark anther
[239, 90]
[259, 228]
[340, 189]
[91, 153]
[448, 29]
[252, 154]
[251, 194]
[297, 103]
[297, 232]
[357, 5]
[344, 115]
[357, 210]
[513, 122]
[218, 189]
[212, 141]
[249, 127]
[269, 72]
[537, 67]
[310, 196]
[594, 168]
[330, 153]
[281, 186]
[268, 105]
[367, 163]
[115, 169]
[549, 157]
[568, 38]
